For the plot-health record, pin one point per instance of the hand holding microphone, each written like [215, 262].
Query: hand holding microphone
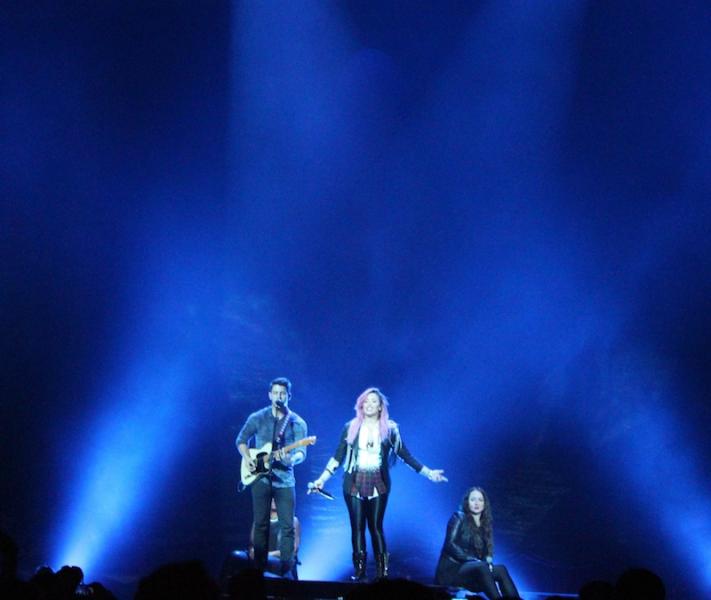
[316, 487]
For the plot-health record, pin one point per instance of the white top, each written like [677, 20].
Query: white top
[369, 447]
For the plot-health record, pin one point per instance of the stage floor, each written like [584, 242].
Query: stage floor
[334, 590]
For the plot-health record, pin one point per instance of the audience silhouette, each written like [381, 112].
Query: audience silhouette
[185, 580]
[639, 584]
[596, 590]
[190, 580]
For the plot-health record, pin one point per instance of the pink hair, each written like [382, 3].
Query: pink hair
[357, 421]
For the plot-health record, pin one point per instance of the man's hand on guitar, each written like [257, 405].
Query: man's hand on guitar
[258, 461]
[283, 457]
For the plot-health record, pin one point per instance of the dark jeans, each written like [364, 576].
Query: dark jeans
[372, 511]
[262, 494]
[476, 576]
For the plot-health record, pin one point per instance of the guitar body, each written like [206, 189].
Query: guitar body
[263, 456]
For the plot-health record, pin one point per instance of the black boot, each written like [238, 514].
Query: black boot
[359, 559]
[381, 565]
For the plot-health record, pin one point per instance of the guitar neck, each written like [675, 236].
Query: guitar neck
[305, 442]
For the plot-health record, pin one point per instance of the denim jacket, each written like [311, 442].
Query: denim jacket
[261, 427]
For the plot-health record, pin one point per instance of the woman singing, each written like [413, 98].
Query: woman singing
[369, 445]
[466, 557]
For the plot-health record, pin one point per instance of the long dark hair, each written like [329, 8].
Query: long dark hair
[486, 521]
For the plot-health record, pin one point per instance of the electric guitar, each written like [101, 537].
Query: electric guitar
[263, 457]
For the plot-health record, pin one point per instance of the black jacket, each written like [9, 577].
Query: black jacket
[461, 544]
[346, 455]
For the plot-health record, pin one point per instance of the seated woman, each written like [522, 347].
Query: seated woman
[466, 558]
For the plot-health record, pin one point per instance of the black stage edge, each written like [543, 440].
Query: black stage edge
[318, 590]
[276, 587]
[309, 589]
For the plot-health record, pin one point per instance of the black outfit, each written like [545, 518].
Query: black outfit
[462, 561]
[370, 510]
[263, 491]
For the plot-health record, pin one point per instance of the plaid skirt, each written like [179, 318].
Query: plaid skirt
[365, 482]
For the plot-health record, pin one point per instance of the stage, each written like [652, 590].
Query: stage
[276, 587]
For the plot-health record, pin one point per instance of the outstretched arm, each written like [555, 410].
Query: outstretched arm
[435, 475]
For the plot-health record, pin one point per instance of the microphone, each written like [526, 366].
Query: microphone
[312, 489]
[490, 561]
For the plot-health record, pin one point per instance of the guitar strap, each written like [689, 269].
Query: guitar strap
[279, 435]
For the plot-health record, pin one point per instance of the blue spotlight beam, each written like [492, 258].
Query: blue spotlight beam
[138, 430]
[124, 465]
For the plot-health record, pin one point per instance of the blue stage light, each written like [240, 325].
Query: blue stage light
[124, 465]
[326, 554]
[137, 431]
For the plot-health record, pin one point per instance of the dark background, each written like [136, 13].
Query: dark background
[497, 212]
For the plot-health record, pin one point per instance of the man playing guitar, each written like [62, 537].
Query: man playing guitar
[274, 427]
